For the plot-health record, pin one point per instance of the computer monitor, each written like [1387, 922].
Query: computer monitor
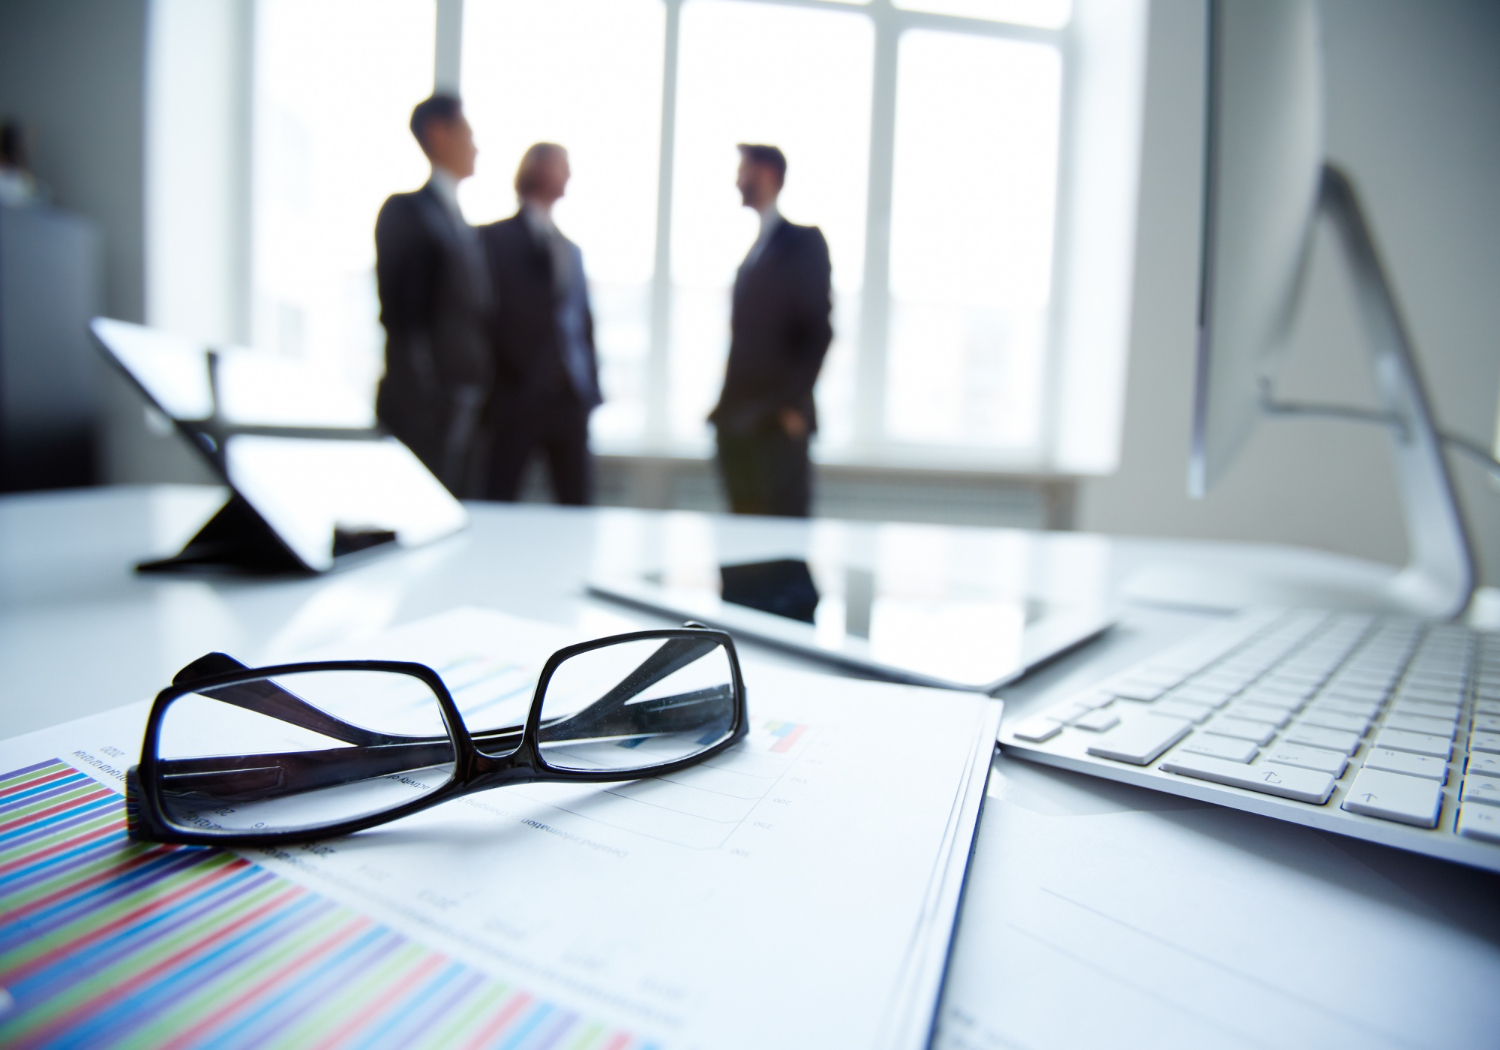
[1265, 185]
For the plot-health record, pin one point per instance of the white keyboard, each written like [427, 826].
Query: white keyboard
[1382, 728]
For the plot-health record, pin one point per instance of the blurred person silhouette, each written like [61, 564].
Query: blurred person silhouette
[435, 306]
[547, 376]
[779, 334]
[18, 186]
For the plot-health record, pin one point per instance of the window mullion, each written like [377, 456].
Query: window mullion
[870, 365]
[449, 40]
[1057, 298]
[658, 377]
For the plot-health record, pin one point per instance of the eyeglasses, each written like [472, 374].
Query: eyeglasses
[250, 756]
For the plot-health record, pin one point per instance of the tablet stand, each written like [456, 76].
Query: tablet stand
[237, 541]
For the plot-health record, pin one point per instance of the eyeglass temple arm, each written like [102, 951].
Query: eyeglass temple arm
[267, 698]
[611, 716]
[268, 776]
[231, 778]
[258, 778]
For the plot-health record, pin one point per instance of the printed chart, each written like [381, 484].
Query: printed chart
[106, 942]
[698, 808]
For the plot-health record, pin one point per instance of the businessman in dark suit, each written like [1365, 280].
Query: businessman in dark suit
[547, 376]
[435, 306]
[779, 334]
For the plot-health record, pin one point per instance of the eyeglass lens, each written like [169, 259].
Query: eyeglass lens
[637, 704]
[301, 750]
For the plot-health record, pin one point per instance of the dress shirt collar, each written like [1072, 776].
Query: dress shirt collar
[770, 218]
[446, 187]
[538, 220]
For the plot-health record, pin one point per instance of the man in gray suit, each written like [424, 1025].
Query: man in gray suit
[435, 301]
[547, 377]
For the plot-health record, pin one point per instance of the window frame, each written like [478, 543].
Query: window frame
[870, 445]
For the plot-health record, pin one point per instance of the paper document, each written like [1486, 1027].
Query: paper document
[1099, 914]
[796, 890]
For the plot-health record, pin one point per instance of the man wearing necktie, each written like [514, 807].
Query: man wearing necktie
[779, 333]
[435, 304]
[547, 377]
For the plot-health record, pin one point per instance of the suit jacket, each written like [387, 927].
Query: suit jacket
[543, 329]
[435, 306]
[779, 331]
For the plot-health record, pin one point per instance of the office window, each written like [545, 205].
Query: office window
[971, 239]
[586, 74]
[1048, 14]
[923, 137]
[797, 78]
[334, 83]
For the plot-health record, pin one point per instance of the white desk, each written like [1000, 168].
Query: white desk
[1096, 913]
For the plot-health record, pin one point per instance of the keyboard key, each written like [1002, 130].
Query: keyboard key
[1480, 822]
[1242, 729]
[1314, 736]
[1432, 678]
[1455, 697]
[1094, 698]
[1331, 762]
[1145, 692]
[1227, 748]
[1363, 708]
[1140, 739]
[1197, 713]
[1485, 765]
[1422, 724]
[1422, 707]
[1416, 743]
[1484, 791]
[1202, 694]
[1163, 673]
[1069, 712]
[1487, 707]
[1037, 729]
[1277, 716]
[1487, 723]
[1304, 785]
[1097, 721]
[1368, 694]
[1316, 716]
[1424, 766]
[1485, 742]
[1391, 796]
[1271, 699]
[1298, 693]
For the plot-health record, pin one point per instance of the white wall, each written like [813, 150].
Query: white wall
[1413, 95]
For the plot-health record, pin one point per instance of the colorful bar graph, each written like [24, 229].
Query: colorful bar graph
[787, 734]
[106, 942]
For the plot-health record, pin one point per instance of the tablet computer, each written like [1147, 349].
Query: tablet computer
[315, 481]
[840, 610]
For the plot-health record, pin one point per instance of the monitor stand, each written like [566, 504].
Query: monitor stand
[1439, 579]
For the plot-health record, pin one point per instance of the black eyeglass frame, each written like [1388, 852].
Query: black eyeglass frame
[473, 769]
